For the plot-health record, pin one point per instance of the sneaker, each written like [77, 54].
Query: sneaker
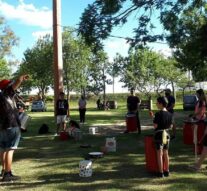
[9, 177]
[2, 173]
[160, 175]
[166, 173]
[15, 177]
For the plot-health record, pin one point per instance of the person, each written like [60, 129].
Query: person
[9, 126]
[200, 107]
[198, 164]
[62, 112]
[98, 103]
[82, 108]
[170, 108]
[133, 103]
[162, 121]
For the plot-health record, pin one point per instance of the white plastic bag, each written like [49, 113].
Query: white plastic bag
[111, 144]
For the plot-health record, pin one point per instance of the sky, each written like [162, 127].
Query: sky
[30, 19]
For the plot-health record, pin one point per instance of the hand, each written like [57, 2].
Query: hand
[151, 113]
[25, 77]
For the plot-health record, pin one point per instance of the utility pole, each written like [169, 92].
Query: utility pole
[57, 46]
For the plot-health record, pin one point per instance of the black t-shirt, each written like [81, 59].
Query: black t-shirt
[61, 107]
[9, 115]
[163, 119]
[132, 103]
[171, 101]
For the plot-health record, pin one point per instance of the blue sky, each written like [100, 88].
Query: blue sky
[30, 19]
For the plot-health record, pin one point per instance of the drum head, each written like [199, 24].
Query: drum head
[95, 154]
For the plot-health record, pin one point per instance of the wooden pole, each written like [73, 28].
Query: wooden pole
[57, 45]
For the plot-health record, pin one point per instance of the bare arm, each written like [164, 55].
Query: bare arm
[18, 82]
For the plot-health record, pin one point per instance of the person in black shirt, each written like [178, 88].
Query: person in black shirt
[170, 108]
[162, 123]
[133, 103]
[62, 112]
[9, 126]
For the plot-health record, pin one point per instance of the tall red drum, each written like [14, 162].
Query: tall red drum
[150, 155]
[188, 131]
[131, 122]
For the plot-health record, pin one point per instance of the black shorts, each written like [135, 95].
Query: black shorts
[205, 141]
[158, 141]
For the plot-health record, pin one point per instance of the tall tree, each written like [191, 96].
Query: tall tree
[7, 38]
[5, 72]
[37, 63]
[146, 71]
[75, 61]
[97, 73]
[188, 37]
[114, 69]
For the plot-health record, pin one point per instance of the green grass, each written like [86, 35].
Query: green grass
[46, 163]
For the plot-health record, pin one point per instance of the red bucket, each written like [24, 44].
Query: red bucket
[131, 122]
[64, 136]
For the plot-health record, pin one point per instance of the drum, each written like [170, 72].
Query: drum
[85, 168]
[24, 119]
[95, 155]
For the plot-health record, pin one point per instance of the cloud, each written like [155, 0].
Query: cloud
[27, 14]
[113, 46]
[39, 34]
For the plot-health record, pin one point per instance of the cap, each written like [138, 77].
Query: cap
[4, 83]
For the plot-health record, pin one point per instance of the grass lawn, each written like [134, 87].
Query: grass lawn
[46, 163]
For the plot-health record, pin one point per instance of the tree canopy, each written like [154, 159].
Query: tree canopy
[7, 38]
[38, 63]
[183, 22]
[100, 17]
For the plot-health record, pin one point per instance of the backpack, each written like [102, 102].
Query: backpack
[44, 129]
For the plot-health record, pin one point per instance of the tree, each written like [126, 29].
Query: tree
[75, 62]
[171, 74]
[138, 70]
[97, 73]
[100, 17]
[188, 37]
[38, 63]
[7, 38]
[146, 71]
[4, 69]
[114, 68]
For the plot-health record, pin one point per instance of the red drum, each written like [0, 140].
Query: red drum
[150, 155]
[131, 122]
[188, 131]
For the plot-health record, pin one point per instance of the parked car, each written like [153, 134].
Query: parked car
[189, 102]
[38, 106]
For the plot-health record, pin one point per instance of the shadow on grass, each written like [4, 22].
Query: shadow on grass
[56, 162]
